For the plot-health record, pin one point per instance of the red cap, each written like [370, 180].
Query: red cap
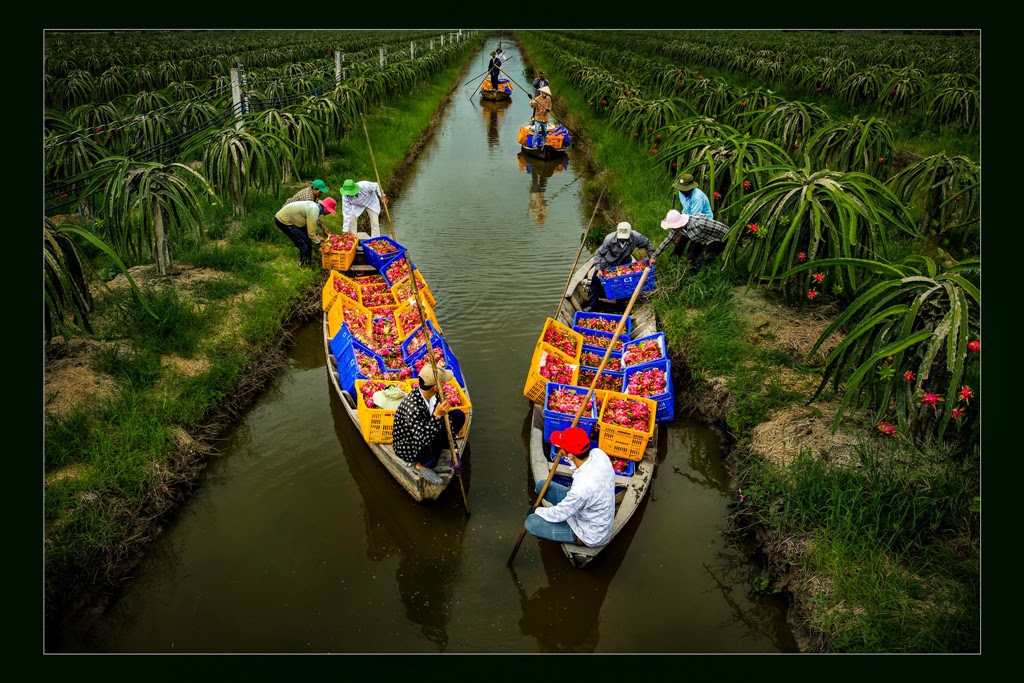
[573, 439]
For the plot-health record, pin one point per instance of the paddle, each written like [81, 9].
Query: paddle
[551, 111]
[456, 465]
[593, 384]
[474, 78]
[578, 253]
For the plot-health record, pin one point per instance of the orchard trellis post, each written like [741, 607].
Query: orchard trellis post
[383, 61]
[236, 98]
[337, 68]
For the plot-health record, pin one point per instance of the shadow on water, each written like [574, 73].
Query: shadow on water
[539, 171]
[427, 558]
[494, 115]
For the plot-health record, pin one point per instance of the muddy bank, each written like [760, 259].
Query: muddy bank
[90, 589]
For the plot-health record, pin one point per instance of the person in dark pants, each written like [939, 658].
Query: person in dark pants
[494, 66]
[419, 431]
[616, 250]
[300, 221]
[703, 235]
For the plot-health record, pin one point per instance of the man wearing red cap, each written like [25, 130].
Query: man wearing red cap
[583, 512]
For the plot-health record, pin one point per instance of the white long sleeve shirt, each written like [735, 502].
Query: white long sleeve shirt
[352, 206]
[589, 506]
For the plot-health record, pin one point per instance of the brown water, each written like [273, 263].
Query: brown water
[298, 540]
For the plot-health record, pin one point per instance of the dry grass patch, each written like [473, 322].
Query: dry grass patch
[778, 327]
[798, 427]
[70, 381]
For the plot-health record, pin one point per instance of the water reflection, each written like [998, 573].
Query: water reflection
[494, 114]
[539, 171]
[426, 540]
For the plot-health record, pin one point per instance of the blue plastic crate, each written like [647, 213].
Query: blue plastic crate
[435, 340]
[348, 365]
[607, 336]
[376, 260]
[660, 336]
[666, 402]
[600, 354]
[627, 329]
[405, 273]
[341, 341]
[555, 421]
[622, 286]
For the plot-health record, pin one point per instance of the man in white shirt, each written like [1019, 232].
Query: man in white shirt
[358, 197]
[583, 512]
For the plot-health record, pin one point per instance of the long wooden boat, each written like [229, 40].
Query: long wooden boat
[495, 95]
[635, 487]
[407, 477]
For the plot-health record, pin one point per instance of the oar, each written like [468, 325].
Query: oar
[551, 111]
[578, 253]
[593, 384]
[474, 78]
[456, 466]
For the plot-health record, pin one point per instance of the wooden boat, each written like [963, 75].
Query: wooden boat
[543, 152]
[635, 487]
[495, 95]
[407, 477]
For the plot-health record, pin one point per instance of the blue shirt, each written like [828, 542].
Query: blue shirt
[696, 205]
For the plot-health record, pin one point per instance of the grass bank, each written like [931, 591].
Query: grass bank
[133, 408]
[875, 542]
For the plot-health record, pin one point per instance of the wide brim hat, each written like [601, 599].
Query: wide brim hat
[389, 397]
[545, 89]
[623, 229]
[320, 185]
[349, 188]
[427, 374]
[329, 203]
[675, 220]
[574, 440]
[685, 182]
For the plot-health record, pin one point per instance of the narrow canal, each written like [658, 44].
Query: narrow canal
[298, 540]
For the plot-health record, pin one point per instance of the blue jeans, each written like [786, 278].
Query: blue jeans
[542, 528]
[429, 456]
[300, 238]
[542, 128]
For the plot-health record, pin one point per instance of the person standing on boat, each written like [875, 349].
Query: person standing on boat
[314, 193]
[705, 235]
[365, 195]
[300, 222]
[583, 512]
[494, 66]
[616, 250]
[502, 57]
[540, 82]
[419, 431]
[541, 106]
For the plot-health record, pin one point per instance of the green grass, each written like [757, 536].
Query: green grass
[893, 540]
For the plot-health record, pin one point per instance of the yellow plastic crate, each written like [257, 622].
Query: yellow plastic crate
[536, 383]
[552, 323]
[338, 260]
[402, 290]
[623, 442]
[336, 314]
[407, 306]
[464, 404]
[330, 294]
[376, 424]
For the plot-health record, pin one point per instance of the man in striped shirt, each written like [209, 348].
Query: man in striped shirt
[705, 236]
[314, 193]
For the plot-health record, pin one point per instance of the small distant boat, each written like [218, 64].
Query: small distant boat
[501, 93]
[556, 143]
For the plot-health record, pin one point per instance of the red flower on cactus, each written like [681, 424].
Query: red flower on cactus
[658, 137]
[818, 277]
[99, 129]
[974, 346]
[894, 91]
[64, 195]
[716, 195]
[956, 413]
[909, 375]
[700, 77]
[812, 293]
[604, 101]
[650, 129]
[887, 429]
[965, 394]
[753, 228]
[635, 134]
[930, 399]
[743, 103]
[801, 257]
[746, 185]
[881, 160]
[654, 151]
